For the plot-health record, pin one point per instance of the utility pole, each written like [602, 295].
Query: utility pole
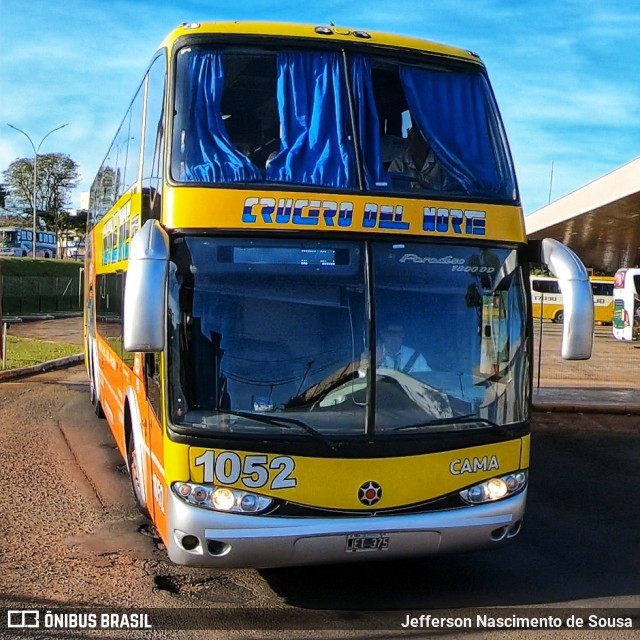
[35, 175]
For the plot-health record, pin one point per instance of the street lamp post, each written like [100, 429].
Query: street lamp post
[35, 175]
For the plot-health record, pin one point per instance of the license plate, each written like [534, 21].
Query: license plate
[367, 542]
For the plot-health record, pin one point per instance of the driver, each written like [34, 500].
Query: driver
[392, 354]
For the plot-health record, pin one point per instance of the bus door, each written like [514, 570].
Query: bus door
[154, 455]
[626, 304]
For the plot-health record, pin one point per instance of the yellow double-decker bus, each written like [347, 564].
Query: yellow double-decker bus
[308, 314]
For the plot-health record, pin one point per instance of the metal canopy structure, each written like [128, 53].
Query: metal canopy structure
[600, 221]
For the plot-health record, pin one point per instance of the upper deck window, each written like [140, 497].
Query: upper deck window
[340, 122]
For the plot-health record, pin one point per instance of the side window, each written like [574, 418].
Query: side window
[546, 286]
[106, 185]
[131, 167]
[153, 158]
[109, 309]
[125, 151]
[120, 169]
[602, 289]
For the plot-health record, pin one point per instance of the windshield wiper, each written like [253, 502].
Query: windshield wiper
[468, 418]
[287, 423]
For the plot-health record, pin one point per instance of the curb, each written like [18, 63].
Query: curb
[58, 315]
[616, 409]
[23, 372]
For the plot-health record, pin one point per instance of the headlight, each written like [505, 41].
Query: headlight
[221, 498]
[495, 488]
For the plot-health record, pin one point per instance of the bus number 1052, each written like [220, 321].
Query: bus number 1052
[253, 471]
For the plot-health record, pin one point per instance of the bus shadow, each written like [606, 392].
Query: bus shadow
[523, 574]
[579, 540]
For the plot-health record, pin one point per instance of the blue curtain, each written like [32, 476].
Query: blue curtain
[314, 117]
[368, 124]
[451, 110]
[209, 154]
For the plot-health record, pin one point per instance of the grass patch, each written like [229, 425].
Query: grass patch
[40, 267]
[24, 352]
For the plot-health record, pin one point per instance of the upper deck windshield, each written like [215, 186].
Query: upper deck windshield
[338, 120]
[281, 330]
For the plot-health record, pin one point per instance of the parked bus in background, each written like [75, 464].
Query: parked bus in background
[548, 303]
[253, 246]
[18, 242]
[626, 301]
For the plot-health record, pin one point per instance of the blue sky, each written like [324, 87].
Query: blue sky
[565, 72]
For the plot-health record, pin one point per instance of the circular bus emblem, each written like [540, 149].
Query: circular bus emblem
[370, 493]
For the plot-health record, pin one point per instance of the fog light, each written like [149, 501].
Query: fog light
[190, 542]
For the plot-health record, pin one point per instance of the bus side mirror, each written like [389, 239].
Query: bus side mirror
[145, 290]
[577, 296]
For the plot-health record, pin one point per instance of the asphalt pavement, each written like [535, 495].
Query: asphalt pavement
[617, 397]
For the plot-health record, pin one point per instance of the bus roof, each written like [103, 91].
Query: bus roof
[317, 32]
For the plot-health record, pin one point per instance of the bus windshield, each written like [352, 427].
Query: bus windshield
[340, 121]
[283, 329]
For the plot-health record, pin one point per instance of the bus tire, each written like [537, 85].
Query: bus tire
[94, 392]
[136, 472]
[95, 400]
[559, 317]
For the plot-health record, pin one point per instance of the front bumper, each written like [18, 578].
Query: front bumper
[199, 537]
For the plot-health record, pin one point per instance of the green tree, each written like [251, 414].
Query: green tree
[57, 175]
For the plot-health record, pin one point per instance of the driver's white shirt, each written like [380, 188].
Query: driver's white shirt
[399, 360]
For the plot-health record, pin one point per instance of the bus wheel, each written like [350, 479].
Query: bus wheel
[95, 401]
[559, 317]
[93, 390]
[136, 477]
